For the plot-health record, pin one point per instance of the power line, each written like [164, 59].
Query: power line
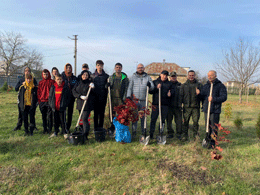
[58, 55]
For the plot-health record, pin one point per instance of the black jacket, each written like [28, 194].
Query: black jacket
[82, 89]
[21, 98]
[100, 90]
[70, 82]
[219, 95]
[188, 95]
[20, 82]
[175, 99]
[65, 98]
[165, 87]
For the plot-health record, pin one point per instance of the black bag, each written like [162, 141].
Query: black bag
[100, 134]
[76, 138]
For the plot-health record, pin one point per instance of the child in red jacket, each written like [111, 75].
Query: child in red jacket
[43, 96]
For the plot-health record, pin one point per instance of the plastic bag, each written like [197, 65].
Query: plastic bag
[122, 132]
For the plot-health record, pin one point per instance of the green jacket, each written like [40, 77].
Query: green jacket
[124, 84]
[188, 94]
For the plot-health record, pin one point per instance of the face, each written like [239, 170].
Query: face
[68, 69]
[163, 77]
[28, 80]
[84, 76]
[211, 76]
[191, 76]
[140, 68]
[173, 79]
[58, 81]
[118, 69]
[54, 72]
[27, 71]
[99, 67]
[45, 75]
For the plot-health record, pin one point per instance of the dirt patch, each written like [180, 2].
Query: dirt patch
[183, 172]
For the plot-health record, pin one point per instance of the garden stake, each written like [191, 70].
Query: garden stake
[161, 139]
[110, 129]
[206, 141]
[143, 139]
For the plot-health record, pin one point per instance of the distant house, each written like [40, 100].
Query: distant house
[155, 68]
[14, 70]
[231, 84]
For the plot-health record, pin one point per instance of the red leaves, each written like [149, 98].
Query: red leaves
[215, 156]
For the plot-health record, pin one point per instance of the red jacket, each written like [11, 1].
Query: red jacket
[44, 88]
[58, 94]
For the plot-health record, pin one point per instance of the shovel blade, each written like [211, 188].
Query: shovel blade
[161, 139]
[144, 140]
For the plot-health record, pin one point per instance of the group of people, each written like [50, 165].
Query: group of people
[56, 94]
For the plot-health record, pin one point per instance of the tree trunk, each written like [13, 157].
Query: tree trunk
[240, 95]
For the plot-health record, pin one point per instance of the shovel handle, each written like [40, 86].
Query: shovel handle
[146, 106]
[82, 109]
[160, 110]
[110, 104]
[209, 105]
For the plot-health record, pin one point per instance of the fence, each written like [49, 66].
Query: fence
[12, 80]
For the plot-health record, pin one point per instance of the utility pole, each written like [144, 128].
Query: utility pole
[75, 54]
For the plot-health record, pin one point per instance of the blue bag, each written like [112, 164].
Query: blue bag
[122, 132]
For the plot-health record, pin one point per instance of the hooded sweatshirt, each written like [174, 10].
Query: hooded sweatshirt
[44, 88]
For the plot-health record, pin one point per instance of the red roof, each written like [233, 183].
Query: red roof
[158, 67]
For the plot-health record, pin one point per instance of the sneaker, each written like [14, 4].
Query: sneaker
[17, 128]
[53, 135]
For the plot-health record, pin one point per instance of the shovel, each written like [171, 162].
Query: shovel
[78, 128]
[111, 128]
[161, 139]
[143, 139]
[206, 141]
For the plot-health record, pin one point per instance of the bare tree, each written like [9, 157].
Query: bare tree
[200, 78]
[241, 64]
[15, 54]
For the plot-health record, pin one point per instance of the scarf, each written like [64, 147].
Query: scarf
[28, 92]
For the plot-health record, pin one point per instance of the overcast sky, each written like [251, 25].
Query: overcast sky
[188, 33]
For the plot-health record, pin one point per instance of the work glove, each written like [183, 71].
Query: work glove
[83, 97]
[91, 85]
[148, 84]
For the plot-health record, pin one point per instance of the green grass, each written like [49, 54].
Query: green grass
[39, 165]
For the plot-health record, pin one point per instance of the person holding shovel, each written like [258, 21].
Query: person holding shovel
[80, 92]
[219, 95]
[167, 90]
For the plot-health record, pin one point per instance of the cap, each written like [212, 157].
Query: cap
[165, 72]
[173, 74]
[85, 65]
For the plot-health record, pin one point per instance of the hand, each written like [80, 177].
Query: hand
[83, 97]
[197, 91]
[24, 83]
[159, 85]
[210, 99]
[169, 93]
[91, 85]
[148, 84]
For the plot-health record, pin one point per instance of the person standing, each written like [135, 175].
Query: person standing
[118, 83]
[189, 94]
[175, 109]
[100, 94]
[43, 96]
[137, 88]
[84, 67]
[219, 95]
[70, 81]
[167, 92]
[27, 71]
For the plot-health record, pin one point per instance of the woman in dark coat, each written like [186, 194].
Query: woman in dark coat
[80, 91]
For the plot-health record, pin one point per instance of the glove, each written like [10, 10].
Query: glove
[148, 84]
[83, 97]
[91, 85]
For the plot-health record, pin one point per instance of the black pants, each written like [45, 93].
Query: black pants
[99, 112]
[28, 111]
[154, 116]
[86, 125]
[213, 119]
[70, 112]
[47, 117]
[20, 118]
[60, 120]
[177, 114]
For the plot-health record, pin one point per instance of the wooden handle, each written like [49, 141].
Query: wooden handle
[146, 107]
[209, 105]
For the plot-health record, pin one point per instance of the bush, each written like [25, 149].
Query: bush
[257, 126]
[238, 122]
[228, 111]
[4, 87]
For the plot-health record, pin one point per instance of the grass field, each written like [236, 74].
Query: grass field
[39, 165]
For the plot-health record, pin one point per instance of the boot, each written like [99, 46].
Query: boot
[31, 131]
[26, 132]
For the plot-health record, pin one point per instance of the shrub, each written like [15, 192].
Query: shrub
[228, 111]
[238, 122]
[257, 126]
[4, 87]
